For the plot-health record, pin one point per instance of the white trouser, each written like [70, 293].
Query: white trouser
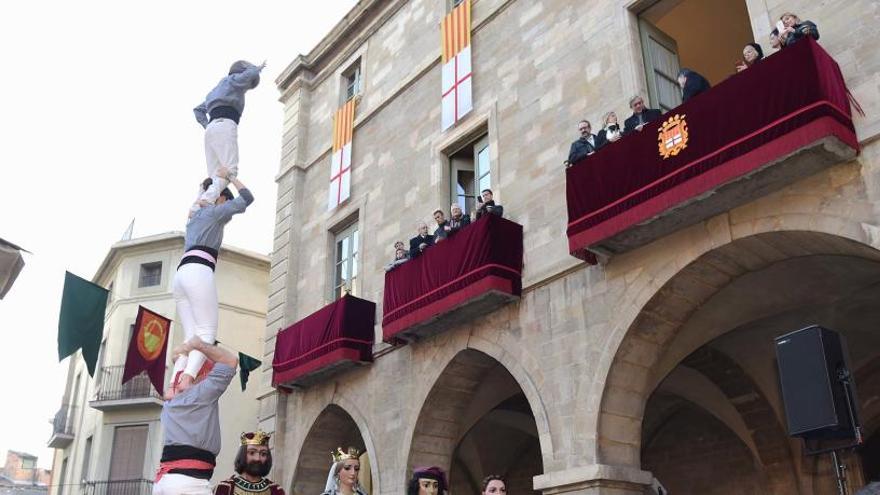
[180, 484]
[221, 150]
[195, 294]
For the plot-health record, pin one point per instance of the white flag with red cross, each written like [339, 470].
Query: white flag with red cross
[455, 33]
[340, 164]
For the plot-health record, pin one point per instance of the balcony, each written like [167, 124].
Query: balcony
[62, 427]
[472, 273]
[111, 394]
[337, 337]
[117, 487]
[758, 131]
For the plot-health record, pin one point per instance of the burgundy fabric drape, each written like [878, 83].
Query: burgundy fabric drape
[486, 255]
[785, 102]
[342, 330]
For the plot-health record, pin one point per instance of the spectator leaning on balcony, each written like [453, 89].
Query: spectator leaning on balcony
[487, 205]
[752, 54]
[692, 84]
[640, 116]
[458, 219]
[585, 145]
[795, 29]
[443, 229]
[422, 241]
[611, 130]
[401, 256]
[775, 42]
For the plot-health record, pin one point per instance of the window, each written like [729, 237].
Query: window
[151, 274]
[128, 454]
[28, 463]
[470, 173]
[87, 458]
[351, 81]
[345, 268]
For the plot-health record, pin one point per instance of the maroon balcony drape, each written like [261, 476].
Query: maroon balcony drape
[787, 101]
[341, 331]
[486, 255]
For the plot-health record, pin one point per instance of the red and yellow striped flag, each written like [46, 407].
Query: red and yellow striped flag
[340, 165]
[455, 47]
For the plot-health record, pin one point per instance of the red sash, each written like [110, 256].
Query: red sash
[167, 466]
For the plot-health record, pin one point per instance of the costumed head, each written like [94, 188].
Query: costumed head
[344, 470]
[427, 481]
[254, 456]
[493, 485]
[225, 194]
[241, 66]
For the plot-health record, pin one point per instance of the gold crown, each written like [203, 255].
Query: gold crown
[255, 438]
[339, 455]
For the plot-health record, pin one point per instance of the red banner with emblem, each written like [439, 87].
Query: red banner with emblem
[147, 348]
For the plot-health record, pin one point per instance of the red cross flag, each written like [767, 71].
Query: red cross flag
[340, 164]
[455, 30]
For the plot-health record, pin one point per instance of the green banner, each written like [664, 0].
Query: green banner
[81, 322]
[246, 364]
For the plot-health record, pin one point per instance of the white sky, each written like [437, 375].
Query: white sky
[96, 128]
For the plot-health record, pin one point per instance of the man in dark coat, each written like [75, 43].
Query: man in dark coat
[420, 242]
[692, 84]
[587, 144]
[640, 116]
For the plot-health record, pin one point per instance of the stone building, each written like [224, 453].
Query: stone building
[657, 362]
[107, 435]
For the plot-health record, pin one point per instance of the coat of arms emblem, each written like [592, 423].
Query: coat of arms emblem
[672, 136]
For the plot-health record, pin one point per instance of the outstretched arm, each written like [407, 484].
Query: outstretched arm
[213, 352]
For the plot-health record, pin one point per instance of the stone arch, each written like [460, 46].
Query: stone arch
[471, 387]
[339, 424]
[659, 336]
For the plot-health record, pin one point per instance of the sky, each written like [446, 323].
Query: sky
[96, 129]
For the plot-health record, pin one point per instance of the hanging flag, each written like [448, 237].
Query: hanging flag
[81, 322]
[246, 364]
[340, 160]
[456, 81]
[147, 348]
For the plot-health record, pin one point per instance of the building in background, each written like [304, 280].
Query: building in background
[657, 362]
[107, 436]
[21, 475]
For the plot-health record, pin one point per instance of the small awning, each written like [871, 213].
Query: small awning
[474, 271]
[11, 263]
[337, 336]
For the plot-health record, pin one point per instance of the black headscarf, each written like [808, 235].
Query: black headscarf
[758, 49]
[694, 84]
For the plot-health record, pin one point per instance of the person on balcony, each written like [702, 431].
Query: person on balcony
[611, 130]
[692, 84]
[585, 145]
[343, 476]
[401, 256]
[641, 115]
[752, 54]
[252, 463]
[427, 481]
[443, 229]
[422, 241]
[459, 220]
[775, 42]
[487, 205]
[191, 424]
[795, 29]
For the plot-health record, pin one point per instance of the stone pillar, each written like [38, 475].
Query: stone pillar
[595, 479]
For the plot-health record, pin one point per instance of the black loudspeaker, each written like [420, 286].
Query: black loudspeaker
[817, 391]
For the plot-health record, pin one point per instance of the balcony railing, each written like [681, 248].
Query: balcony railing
[117, 487]
[783, 119]
[62, 427]
[467, 275]
[111, 393]
[336, 337]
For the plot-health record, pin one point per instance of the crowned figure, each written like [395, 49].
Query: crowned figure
[343, 476]
[252, 463]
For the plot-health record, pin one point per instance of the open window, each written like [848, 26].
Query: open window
[351, 81]
[703, 35]
[470, 173]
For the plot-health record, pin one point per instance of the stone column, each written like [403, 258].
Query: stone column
[595, 479]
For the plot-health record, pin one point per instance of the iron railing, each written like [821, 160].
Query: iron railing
[110, 386]
[117, 487]
[62, 423]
